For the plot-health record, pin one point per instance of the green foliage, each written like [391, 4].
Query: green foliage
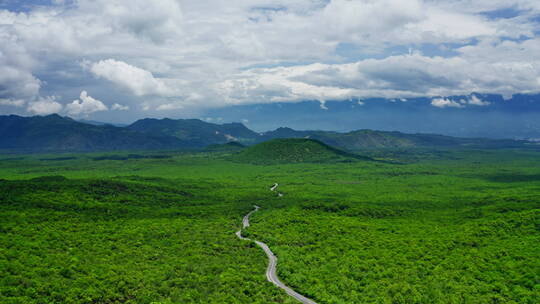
[446, 226]
[129, 156]
[109, 241]
[294, 150]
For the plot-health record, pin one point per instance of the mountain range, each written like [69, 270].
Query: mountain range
[54, 133]
[490, 116]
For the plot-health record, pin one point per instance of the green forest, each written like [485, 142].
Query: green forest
[392, 226]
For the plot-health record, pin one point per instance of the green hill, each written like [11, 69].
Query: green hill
[294, 150]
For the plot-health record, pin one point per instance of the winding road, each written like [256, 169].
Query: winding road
[271, 274]
[274, 187]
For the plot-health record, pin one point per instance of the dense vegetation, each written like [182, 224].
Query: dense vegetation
[133, 241]
[434, 235]
[441, 227]
[294, 150]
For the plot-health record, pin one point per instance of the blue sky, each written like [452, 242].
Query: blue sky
[29, 5]
[120, 60]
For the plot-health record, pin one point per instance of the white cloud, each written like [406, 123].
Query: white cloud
[16, 78]
[138, 81]
[86, 105]
[445, 103]
[477, 101]
[478, 6]
[499, 67]
[12, 102]
[170, 106]
[17, 83]
[157, 22]
[44, 106]
[172, 50]
[119, 107]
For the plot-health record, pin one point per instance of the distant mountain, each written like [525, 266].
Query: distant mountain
[55, 134]
[195, 132]
[294, 150]
[100, 123]
[369, 139]
[493, 117]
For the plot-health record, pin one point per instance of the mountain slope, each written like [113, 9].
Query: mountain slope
[369, 139]
[56, 133]
[195, 132]
[293, 150]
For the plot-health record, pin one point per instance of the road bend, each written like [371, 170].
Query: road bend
[271, 274]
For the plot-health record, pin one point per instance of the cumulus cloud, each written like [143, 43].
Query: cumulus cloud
[119, 107]
[477, 6]
[44, 106]
[474, 100]
[449, 103]
[138, 81]
[169, 106]
[12, 102]
[16, 78]
[506, 68]
[262, 51]
[17, 83]
[86, 105]
[445, 103]
[157, 22]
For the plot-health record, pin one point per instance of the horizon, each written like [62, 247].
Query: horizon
[262, 132]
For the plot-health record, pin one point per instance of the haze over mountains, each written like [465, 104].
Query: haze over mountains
[54, 133]
[483, 115]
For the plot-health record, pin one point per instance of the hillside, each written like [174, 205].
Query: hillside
[57, 134]
[369, 139]
[195, 132]
[294, 150]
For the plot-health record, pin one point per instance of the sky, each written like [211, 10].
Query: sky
[118, 61]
